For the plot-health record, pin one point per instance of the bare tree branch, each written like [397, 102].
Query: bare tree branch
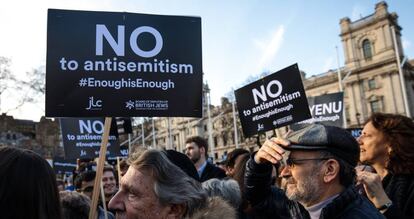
[28, 89]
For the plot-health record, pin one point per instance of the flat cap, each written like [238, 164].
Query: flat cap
[333, 139]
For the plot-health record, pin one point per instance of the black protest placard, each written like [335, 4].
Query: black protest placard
[326, 109]
[82, 138]
[123, 64]
[123, 152]
[124, 125]
[355, 132]
[64, 166]
[274, 101]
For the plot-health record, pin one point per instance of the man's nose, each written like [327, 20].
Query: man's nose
[359, 139]
[285, 171]
[116, 203]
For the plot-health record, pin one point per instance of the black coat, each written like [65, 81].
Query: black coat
[400, 189]
[271, 202]
[212, 171]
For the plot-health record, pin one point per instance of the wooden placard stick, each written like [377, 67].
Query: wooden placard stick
[118, 167]
[99, 169]
[104, 201]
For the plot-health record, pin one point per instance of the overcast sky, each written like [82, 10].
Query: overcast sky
[240, 38]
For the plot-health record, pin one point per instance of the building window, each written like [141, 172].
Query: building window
[372, 84]
[375, 106]
[224, 136]
[347, 114]
[366, 46]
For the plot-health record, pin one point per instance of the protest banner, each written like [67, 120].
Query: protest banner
[82, 138]
[325, 109]
[123, 125]
[274, 101]
[356, 132]
[63, 166]
[122, 64]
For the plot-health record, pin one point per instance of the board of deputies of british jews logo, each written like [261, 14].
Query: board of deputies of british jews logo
[147, 104]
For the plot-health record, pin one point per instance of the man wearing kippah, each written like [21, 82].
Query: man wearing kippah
[319, 164]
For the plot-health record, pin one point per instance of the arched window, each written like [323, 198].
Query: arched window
[366, 47]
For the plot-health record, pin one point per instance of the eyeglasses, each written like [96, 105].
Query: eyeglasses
[292, 162]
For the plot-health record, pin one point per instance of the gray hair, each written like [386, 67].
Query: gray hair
[74, 205]
[229, 190]
[171, 184]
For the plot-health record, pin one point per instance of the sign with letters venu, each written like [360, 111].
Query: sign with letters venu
[274, 101]
[326, 109]
[122, 64]
[82, 138]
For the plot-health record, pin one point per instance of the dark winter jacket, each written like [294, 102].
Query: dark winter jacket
[271, 202]
[400, 189]
[212, 171]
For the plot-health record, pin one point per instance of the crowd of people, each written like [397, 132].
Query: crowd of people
[315, 172]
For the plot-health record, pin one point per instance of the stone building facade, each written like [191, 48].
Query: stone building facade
[43, 137]
[370, 81]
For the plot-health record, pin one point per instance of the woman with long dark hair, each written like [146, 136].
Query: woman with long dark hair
[27, 186]
[387, 144]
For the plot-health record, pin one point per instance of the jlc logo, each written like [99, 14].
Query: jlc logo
[94, 105]
[119, 45]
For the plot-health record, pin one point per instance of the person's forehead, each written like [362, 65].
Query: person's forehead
[191, 145]
[135, 178]
[370, 130]
[369, 127]
[108, 173]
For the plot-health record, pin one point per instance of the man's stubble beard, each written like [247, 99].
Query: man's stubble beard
[307, 190]
[195, 159]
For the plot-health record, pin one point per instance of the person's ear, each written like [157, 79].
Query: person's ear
[202, 150]
[389, 149]
[176, 211]
[331, 170]
[229, 170]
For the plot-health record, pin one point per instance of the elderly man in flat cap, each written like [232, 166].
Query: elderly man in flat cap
[319, 164]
